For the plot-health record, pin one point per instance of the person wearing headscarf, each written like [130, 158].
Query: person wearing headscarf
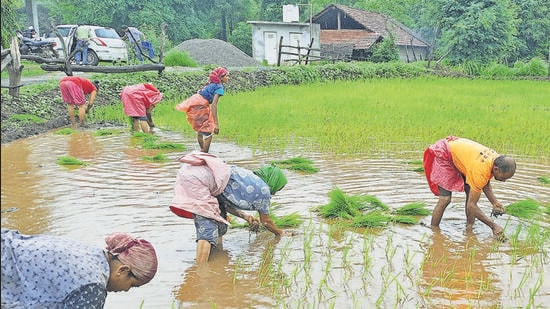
[73, 91]
[138, 102]
[207, 188]
[202, 107]
[44, 271]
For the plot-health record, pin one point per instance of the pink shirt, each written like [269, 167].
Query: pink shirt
[201, 177]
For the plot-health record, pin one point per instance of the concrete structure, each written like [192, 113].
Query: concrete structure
[266, 38]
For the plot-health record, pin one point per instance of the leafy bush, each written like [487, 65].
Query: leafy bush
[178, 58]
[535, 67]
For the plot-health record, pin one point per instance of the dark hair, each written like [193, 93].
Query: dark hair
[124, 27]
[96, 84]
[505, 164]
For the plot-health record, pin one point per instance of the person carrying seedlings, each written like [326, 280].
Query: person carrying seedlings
[73, 91]
[207, 188]
[138, 102]
[202, 107]
[455, 164]
[45, 271]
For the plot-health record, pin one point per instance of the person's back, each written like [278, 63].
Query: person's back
[41, 271]
[82, 33]
[473, 160]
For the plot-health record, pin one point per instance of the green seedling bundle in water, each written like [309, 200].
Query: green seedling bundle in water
[368, 211]
[69, 160]
[297, 164]
[149, 141]
[156, 158]
[525, 209]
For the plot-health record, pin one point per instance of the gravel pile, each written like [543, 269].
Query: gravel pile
[216, 52]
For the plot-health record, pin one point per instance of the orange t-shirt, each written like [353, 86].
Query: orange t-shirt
[474, 161]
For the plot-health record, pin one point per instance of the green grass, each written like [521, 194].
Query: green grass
[27, 118]
[382, 116]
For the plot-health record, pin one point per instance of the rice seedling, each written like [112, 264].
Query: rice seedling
[65, 131]
[525, 209]
[273, 176]
[70, 160]
[544, 180]
[156, 158]
[103, 132]
[300, 164]
[413, 209]
[372, 219]
[149, 141]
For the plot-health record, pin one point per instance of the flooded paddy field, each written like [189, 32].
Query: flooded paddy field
[325, 266]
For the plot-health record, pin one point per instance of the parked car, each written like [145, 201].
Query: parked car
[105, 43]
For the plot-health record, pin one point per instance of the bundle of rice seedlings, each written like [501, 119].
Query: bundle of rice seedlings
[297, 164]
[68, 160]
[547, 210]
[405, 219]
[272, 176]
[526, 209]
[290, 220]
[413, 209]
[169, 146]
[103, 132]
[368, 202]
[156, 158]
[340, 206]
[371, 219]
[65, 131]
[544, 180]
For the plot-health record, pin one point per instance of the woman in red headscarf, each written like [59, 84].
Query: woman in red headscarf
[202, 107]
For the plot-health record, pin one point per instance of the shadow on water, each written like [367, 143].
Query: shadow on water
[324, 266]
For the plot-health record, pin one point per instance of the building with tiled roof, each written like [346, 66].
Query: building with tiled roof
[349, 33]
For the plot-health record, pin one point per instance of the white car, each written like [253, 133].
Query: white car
[105, 43]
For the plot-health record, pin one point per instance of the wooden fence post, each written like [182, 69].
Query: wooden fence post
[15, 68]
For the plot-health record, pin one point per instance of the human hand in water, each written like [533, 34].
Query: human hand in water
[253, 223]
[498, 210]
[498, 233]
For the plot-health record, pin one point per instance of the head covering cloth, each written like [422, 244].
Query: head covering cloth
[216, 75]
[138, 253]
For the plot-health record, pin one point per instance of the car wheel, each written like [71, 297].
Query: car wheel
[92, 58]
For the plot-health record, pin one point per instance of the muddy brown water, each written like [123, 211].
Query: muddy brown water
[324, 266]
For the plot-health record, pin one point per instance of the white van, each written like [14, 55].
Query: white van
[105, 43]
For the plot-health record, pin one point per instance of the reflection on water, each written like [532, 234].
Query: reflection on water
[458, 267]
[324, 266]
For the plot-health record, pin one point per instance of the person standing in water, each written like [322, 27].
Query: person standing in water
[202, 107]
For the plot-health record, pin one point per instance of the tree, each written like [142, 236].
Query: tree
[533, 28]
[477, 31]
[9, 21]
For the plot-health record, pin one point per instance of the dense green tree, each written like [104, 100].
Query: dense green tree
[478, 31]
[533, 28]
[9, 20]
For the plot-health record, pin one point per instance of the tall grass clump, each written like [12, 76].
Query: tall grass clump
[179, 58]
[535, 67]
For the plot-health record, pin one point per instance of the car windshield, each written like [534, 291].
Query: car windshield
[107, 33]
[64, 31]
